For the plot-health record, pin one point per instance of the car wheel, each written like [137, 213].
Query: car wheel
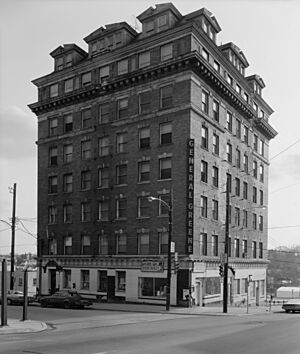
[293, 311]
[44, 304]
[9, 302]
[67, 305]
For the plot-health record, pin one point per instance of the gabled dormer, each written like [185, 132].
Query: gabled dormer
[206, 21]
[256, 83]
[235, 56]
[110, 37]
[159, 18]
[67, 55]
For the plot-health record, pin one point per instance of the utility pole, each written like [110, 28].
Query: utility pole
[226, 250]
[168, 294]
[13, 229]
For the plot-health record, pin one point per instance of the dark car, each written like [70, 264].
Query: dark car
[292, 305]
[66, 299]
[15, 297]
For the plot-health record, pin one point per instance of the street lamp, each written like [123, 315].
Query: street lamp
[168, 288]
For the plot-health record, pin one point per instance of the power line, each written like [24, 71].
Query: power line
[284, 150]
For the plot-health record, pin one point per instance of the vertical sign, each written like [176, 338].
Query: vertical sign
[190, 195]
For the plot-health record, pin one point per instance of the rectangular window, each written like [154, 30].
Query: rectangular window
[69, 60]
[144, 59]
[143, 171]
[104, 73]
[68, 183]
[204, 101]
[148, 27]
[246, 135]
[254, 221]
[53, 90]
[254, 195]
[214, 245]
[166, 52]
[165, 168]
[53, 126]
[52, 184]
[122, 66]
[217, 66]
[84, 279]
[103, 244]
[261, 197]
[143, 243]
[255, 143]
[68, 245]
[204, 137]
[68, 153]
[102, 280]
[86, 118]
[203, 206]
[122, 108]
[238, 89]
[261, 173]
[245, 218]
[68, 85]
[103, 210]
[86, 79]
[163, 242]
[86, 180]
[204, 171]
[229, 182]
[144, 138]
[67, 209]
[215, 209]
[52, 214]
[121, 142]
[216, 110]
[260, 250]
[53, 156]
[121, 281]
[166, 96]
[121, 208]
[236, 247]
[216, 144]
[205, 54]
[121, 174]
[162, 22]
[68, 123]
[152, 287]
[237, 216]
[229, 80]
[244, 248]
[103, 177]
[103, 146]
[238, 158]
[85, 211]
[260, 223]
[163, 210]
[238, 130]
[59, 63]
[86, 244]
[203, 244]
[52, 246]
[237, 187]
[245, 163]
[86, 150]
[246, 97]
[229, 121]
[254, 169]
[253, 249]
[104, 113]
[215, 176]
[229, 152]
[143, 207]
[121, 243]
[145, 102]
[165, 132]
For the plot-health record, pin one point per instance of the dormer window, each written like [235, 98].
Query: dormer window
[246, 97]
[118, 38]
[162, 23]
[123, 67]
[149, 27]
[86, 79]
[205, 26]
[144, 59]
[69, 60]
[54, 90]
[68, 85]
[110, 40]
[101, 44]
[166, 52]
[59, 63]
[205, 54]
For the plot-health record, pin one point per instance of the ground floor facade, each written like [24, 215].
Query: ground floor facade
[143, 280]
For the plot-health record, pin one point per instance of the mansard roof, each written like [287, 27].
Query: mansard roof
[153, 11]
[207, 14]
[110, 28]
[256, 78]
[63, 49]
[236, 50]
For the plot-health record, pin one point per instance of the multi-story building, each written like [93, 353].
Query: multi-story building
[167, 113]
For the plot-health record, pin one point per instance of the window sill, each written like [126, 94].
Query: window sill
[144, 182]
[164, 180]
[142, 217]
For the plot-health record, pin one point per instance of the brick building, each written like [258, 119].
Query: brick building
[167, 113]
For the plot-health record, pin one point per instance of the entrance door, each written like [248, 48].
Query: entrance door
[257, 294]
[52, 280]
[111, 288]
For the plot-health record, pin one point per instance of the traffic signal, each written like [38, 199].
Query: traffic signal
[221, 271]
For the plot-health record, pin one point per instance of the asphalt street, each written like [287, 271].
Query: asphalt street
[93, 332]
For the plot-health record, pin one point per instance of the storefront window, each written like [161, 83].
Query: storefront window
[152, 287]
[102, 281]
[212, 286]
[67, 279]
[121, 282]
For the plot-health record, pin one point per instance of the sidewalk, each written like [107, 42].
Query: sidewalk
[18, 327]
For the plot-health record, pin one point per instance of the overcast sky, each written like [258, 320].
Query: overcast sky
[267, 31]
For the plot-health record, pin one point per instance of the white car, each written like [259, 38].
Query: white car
[292, 305]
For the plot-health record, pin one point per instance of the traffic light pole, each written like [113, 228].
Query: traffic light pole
[225, 280]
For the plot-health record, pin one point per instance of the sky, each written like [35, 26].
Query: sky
[267, 31]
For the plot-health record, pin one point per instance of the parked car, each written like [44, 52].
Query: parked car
[292, 305]
[15, 297]
[66, 299]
